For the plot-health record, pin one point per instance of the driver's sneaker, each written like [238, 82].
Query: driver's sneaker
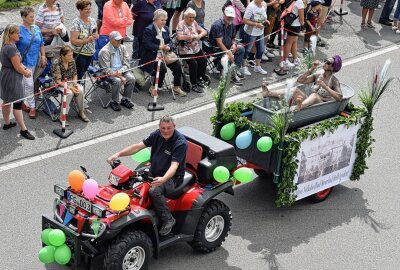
[167, 227]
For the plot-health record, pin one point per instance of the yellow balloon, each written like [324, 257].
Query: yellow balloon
[119, 201]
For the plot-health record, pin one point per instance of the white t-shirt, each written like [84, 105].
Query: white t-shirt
[255, 14]
[298, 5]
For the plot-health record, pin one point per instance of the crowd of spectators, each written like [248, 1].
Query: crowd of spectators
[159, 27]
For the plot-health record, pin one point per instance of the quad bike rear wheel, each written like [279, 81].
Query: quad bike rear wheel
[321, 196]
[213, 227]
[129, 251]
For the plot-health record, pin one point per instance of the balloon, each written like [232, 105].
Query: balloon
[90, 188]
[57, 237]
[46, 254]
[76, 179]
[243, 140]
[221, 174]
[228, 131]
[119, 201]
[243, 174]
[62, 255]
[45, 236]
[264, 144]
[142, 156]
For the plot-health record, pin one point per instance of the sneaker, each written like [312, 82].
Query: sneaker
[251, 63]
[269, 54]
[289, 64]
[26, 134]
[167, 227]
[235, 80]
[265, 58]
[296, 62]
[239, 75]
[11, 125]
[115, 106]
[198, 89]
[258, 69]
[272, 46]
[245, 71]
[178, 91]
[127, 103]
[394, 28]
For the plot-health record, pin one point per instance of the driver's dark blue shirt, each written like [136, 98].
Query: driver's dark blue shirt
[163, 152]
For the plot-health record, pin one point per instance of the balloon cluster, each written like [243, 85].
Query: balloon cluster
[55, 250]
[221, 174]
[90, 187]
[244, 139]
[119, 201]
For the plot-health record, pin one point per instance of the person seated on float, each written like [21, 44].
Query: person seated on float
[326, 86]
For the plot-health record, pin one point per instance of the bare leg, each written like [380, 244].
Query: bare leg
[370, 15]
[6, 114]
[298, 97]
[293, 49]
[312, 99]
[363, 15]
[20, 119]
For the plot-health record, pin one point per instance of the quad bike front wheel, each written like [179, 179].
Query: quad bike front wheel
[321, 196]
[129, 251]
[213, 227]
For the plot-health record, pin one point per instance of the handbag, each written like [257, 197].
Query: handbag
[288, 16]
[170, 57]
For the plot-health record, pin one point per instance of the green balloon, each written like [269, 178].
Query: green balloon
[57, 237]
[228, 131]
[46, 254]
[62, 255]
[221, 174]
[45, 236]
[264, 144]
[244, 175]
[142, 156]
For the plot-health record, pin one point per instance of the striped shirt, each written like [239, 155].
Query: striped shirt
[49, 19]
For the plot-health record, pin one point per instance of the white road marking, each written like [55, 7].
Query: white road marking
[68, 149]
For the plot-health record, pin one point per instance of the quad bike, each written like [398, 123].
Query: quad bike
[128, 239]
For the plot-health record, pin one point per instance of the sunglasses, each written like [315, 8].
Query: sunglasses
[327, 61]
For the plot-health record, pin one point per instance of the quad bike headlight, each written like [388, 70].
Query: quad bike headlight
[98, 211]
[60, 190]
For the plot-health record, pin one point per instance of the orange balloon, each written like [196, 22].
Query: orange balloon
[76, 179]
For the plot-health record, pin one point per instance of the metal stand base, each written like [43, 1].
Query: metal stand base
[154, 107]
[280, 71]
[63, 133]
[341, 12]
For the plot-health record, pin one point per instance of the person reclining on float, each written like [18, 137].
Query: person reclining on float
[326, 86]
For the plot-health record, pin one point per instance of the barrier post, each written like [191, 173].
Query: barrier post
[63, 132]
[341, 12]
[153, 106]
[281, 70]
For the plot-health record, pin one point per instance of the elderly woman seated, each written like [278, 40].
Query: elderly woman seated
[156, 42]
[64, 68]
[326, 86]
[189, 33]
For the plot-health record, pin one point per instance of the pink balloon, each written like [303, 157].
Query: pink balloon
[90, 188]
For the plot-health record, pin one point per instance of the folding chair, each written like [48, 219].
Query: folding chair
[213, 62]
[92, 74]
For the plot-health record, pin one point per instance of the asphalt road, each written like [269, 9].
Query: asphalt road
[343, 36]
[356, 228]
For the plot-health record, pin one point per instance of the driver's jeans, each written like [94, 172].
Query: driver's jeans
[158, 194]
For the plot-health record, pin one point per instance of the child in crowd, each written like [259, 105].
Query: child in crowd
[312, 14]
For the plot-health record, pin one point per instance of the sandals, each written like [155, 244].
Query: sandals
[370, 25]
[363, 26]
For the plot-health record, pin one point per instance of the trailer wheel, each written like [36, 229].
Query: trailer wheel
[321, 196]
[213, 227]
[262, 173]
[130, 250]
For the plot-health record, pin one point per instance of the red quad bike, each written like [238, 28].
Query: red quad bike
[129, 238]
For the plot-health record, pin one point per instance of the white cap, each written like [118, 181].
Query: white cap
[230, 12]
[115, 35]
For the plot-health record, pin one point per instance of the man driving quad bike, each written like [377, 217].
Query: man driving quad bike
[168, 152]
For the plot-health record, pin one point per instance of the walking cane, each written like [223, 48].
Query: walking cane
[63, 132]
[153, 106]
[341, 12]
[281, 70]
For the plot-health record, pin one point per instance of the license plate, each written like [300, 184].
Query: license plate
[82, 203]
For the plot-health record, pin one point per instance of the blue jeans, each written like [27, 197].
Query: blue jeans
[387, 9]
[249, 41]
[239, 55]
[397, 12]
